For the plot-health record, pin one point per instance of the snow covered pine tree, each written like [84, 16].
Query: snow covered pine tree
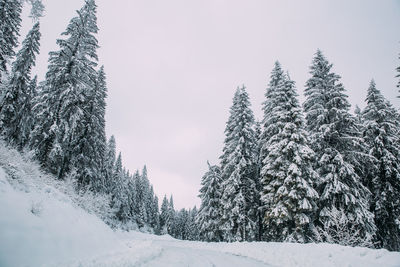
[239, 200]
[287, 174]
[209, 216]
[335, 139]
[381, 132]
[15, 108]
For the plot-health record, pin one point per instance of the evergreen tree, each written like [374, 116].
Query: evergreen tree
[193, 227]
[335, 139]
[267, 128]
[238, 166]
[152, 210]
[121, 193]
[157, 226]
[164, 215]
[287, 173]
[258, 161]
[357, 112]
[15, 109]
[209, 216]
[90, 145]
[171, 217]
[28, 121]
[382, 136]
[398, 76]
[109, 164]
[10, 14]
[70, 79]
[37, 9]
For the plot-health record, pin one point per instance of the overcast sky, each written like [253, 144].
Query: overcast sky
[172, 68]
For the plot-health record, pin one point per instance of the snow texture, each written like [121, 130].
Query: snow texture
[41, 225]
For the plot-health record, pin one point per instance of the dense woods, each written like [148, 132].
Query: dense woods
[314, 172]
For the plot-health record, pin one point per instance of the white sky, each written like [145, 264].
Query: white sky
[172, 68]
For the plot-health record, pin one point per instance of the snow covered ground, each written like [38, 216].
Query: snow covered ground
[40, 225]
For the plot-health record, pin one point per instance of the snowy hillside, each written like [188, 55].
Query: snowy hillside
[41, 224]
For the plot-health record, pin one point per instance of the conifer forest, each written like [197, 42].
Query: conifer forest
[312, 171]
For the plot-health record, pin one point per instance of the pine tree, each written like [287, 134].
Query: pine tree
[164, 215]
[357, 112]
[287, 173]
[28, 121]
[37, 9]
[70, 78]
[267, 128]
[193, 227]
[382, 136]
[109, 164]
[209, 216]
[121, 194]
[90, 145]
[15, 109]
[335, 138]
[171, 217]
[157, 226]
[398, 75]
[10, 14]
[238, 167]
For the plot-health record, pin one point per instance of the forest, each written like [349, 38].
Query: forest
[305, 173]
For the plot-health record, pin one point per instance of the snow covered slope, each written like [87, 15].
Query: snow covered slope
[41, 225]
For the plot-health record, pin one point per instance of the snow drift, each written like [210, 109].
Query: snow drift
[43, 224]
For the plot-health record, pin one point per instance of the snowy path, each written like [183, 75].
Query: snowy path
[165, 253]
[172, 255]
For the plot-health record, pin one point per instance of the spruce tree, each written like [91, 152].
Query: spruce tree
[164, 215]
[287, 174]
[171, 217]
[193, 227]
[382, 133]
[209, 216]
[70, 79]
[109, 164]
[10, 14]
[28, 120]
[267, 129]
[238, 171]
[90, 144]
[336, 141]
[157, 225]
[398, 76]
[15, 109]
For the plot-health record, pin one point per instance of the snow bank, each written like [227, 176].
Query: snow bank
[43, 227]
[39, 222]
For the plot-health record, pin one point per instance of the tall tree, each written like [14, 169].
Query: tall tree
[10, 14]
[171, 217]
[70, 78]
[109, 164]
[164, 215]
[287, 174]
[398, 76]
[382, 133]
[15, 109]
[267, 129]
[90, 144]
[338, 146]
[238, 166]
[209, 216]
